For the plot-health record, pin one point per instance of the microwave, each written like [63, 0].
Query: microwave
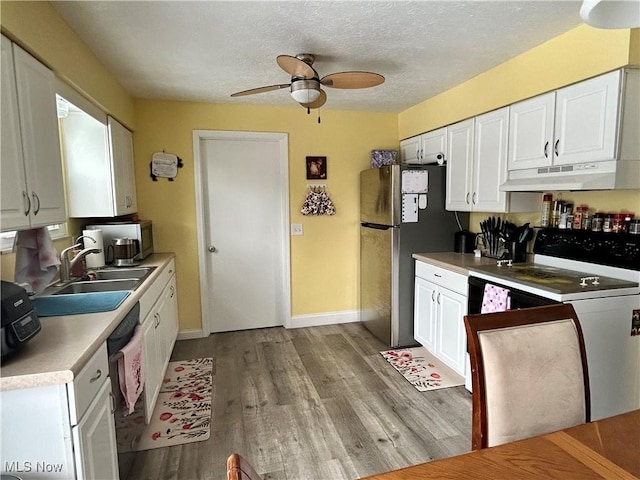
[140, 232]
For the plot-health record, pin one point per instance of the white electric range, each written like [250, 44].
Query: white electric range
[599, 274]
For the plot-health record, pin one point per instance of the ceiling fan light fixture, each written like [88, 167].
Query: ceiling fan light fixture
[305, 90]
[611, 13]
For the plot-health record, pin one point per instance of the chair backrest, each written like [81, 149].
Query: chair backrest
[239, 469]
[529, 373]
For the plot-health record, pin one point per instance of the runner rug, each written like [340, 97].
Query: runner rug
[182, 413]
[421, 369]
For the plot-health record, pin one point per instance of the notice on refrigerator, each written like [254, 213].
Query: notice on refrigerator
[415, 181]
[409, 208]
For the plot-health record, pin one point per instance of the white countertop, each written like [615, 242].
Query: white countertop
[457, 262]
[65, 344]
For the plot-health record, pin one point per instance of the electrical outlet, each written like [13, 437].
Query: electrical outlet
[296, 229]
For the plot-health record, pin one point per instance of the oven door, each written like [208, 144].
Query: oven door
[519, 298]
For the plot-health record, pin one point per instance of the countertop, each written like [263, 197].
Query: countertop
[65, 343]
[457, 262]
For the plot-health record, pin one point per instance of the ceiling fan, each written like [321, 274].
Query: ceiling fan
[305, 86]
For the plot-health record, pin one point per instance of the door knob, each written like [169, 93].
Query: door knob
[212, 249]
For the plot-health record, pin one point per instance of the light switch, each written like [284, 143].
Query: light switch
[296, 229]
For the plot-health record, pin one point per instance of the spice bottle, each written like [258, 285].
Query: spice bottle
[618, 223]
[545, 212]
[578, 216]
[558, 206]
[628, 217]
[587, 218]
[598, 222]
[607, 223]
[566, 216]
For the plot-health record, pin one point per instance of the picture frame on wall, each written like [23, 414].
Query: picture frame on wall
[316, 168]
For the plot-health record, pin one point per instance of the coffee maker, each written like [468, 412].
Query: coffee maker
[124, 252]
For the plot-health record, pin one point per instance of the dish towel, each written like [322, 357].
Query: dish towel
[36, 258]
[131, 370]
[495, 299]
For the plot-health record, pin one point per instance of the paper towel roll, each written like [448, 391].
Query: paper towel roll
[94, 260]
[434, 158]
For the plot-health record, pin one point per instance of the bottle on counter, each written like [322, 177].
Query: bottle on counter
[628, 217]
[607, 223]
[634, 226]
[587, 220]
[598, 222]
[566, 216]
[545, 212]
[558, 206]
[578, 216]
[618, 223]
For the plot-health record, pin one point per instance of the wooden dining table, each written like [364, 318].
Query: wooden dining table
[607, 448]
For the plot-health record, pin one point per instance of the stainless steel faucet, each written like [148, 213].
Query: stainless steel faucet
[66, 265]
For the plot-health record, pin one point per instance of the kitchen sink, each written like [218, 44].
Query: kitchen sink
[138, 273]
[100, 286]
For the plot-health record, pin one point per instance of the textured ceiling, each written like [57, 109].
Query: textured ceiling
[206, 50]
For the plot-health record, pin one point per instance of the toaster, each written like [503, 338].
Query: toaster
[20, 323]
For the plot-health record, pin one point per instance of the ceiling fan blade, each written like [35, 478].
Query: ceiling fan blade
[352, 80]
[295, 67]
[261, 89]
[317, 103]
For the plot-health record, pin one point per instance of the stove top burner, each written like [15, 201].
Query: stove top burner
[555, 280]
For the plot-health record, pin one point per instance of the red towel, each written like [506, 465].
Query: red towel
[131, 369]
[36, 258]
[495, 299]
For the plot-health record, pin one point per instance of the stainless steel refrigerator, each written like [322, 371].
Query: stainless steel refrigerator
[402, 212]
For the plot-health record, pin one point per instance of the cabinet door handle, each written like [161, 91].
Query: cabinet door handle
[433, 295]
[173, 291]
[467, 198]
[36, 199]
[546, 147]
[437, 275]
[438, 298]
[96, 377]
[27, 203]
[555, 148]
[473, 198]
[113, 403]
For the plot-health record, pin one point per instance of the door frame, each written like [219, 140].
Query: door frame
[284, 288]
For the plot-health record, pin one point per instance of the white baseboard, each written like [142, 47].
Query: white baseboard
[298, 321]
[191, 334]
[327, 318]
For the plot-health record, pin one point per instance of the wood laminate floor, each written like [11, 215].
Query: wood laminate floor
[311, 403]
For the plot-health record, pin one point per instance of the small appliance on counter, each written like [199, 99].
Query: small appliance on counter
[20, 323]
[140, 233]
[464, 241]
[125, 252]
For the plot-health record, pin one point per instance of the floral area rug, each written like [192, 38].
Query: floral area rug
[182, 413]
[421, 369]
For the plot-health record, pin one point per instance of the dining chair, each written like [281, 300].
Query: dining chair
[529, 373]
[239, 469]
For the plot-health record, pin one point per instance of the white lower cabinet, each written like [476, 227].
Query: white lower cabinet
[440, 305]
[159, 330]
[62, 431]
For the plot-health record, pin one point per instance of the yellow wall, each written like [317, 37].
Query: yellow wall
[578, 54]
[38, 28]
[324, 261]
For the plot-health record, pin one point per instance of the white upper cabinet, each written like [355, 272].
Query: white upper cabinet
[575, 124]
[32, 193]
[531, 132]
[124, 177]
[98, 155]
[460, 166]
[477, 166]
[490, 161]
[430, 147]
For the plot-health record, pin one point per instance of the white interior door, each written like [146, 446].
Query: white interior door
[244, 230]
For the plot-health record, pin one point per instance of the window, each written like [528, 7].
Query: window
[7, 238]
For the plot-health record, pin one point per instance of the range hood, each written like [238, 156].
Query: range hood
[607, 175]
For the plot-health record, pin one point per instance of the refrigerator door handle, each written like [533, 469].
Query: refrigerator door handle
[377, 226]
